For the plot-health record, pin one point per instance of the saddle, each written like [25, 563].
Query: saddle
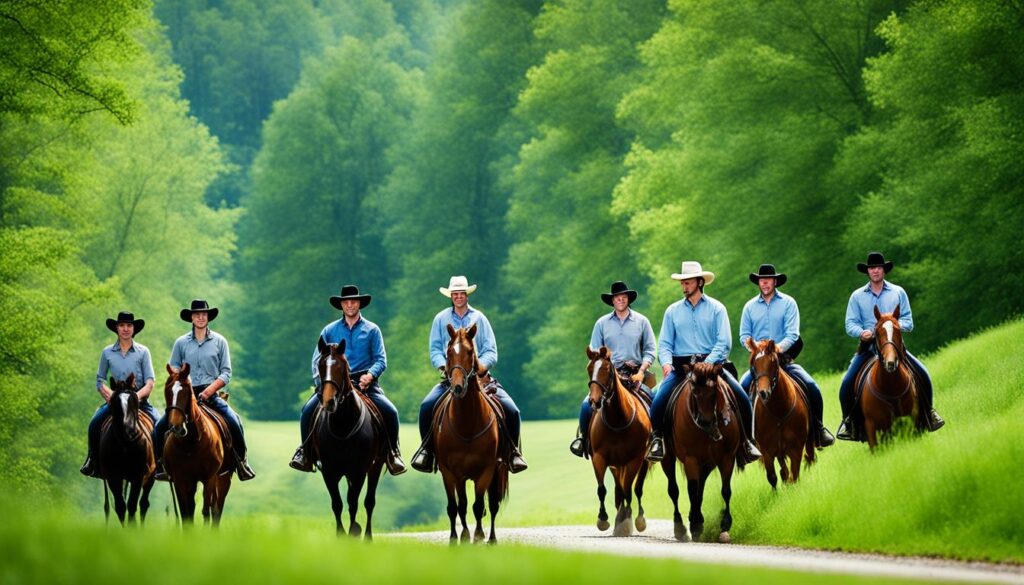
[490, 388]
[729, 399]
[376, 419]
[230, 459]
[626, 372]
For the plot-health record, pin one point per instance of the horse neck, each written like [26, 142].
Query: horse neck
[622, 403]
[342, 420]
[470, 412]
[895, 381]
[784, 394]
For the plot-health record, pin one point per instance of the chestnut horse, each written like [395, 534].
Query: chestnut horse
[705, 435]
[194, 450]
[466, 439]
[126, 453]
[781, 415]
[887, 389]
[618, 438]
[347, 442]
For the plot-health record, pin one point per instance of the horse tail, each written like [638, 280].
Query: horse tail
[809, 450]
[500, 483]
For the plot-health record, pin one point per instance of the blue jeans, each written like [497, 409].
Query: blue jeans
[846, 394]
[813, 391]
[586, 412]
[96, 424]
[512, 417]
[386, 408]
[665, 392]
[222, 408]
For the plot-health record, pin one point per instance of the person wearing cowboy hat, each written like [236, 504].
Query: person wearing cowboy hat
[860, 324]
[630, 337]
[774, 315]
[462, 315]
[696, 329]
[120, 360]
[208, 355]
[367, 359]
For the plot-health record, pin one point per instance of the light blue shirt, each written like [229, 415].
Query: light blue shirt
[689, 330]
[119, 365]
[778, 320]
[631, 339]
[208, 360]
[860, 312]
[364, 347]
[486, 348]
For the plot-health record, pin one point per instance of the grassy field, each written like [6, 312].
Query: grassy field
[957, 493]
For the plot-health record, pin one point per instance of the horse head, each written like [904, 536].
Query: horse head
[602, 377]
[180, 400]
[124, 405]
[764, 366]
[461, 365]
[335, 382]
[707, 397]
[889, 339]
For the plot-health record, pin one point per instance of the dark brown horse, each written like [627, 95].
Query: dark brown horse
[705, 435]
[887, 388]
[126, 453]
[618, 437]
[347, 442]
[781, 416]
[194, 450]
[467, 440]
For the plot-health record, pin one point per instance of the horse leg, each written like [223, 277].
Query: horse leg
[355, 487]
[695, 476]
[641, 522]
[796, 456]
[725, 471]
[479, 502]
[372, 477]
[871, 431]
[453, 508]
[463, 508]
[210, 499]
[331, 480]
[668, 465]
[768, 460]
[117, 488]
[783, 470]
[624, 519]
[187, 501]
[144, 499]
[599, 471]
[223, 486]
[134, 491]
[494, 494]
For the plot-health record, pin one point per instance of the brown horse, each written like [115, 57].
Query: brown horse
[126, 453]
[887, 388]
[781, 416]
[347, 442]
[705, 435]
[618, 438]
[467, 439]
[194, 450]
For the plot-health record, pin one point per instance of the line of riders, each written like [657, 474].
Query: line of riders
[694, 329]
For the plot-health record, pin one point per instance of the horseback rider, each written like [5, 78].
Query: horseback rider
[462, 315]
[774, 315]
[209, 358]
[696, 329]
[123, 358]
[630, 337]
[364, 350]
[860, 324]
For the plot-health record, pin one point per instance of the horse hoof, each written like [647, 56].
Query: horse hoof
[641, 524]
[724, 537]
[681, 534]
[602, 525]
[624, 528]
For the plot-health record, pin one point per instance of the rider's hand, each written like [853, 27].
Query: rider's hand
[866, 335]
[637, 377]
[106, 393]
[365, 380]
[665, 369]
[205, 395]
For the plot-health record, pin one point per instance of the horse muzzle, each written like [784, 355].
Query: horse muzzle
[765, 395]
[459, 390]
[180, 431]
[891, 365]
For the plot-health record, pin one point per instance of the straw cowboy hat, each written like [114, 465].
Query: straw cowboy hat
[691, 269]
[198, 306]
[768, 271]
[350, 292]
[875, 259]
[457, 284]
[126, 317]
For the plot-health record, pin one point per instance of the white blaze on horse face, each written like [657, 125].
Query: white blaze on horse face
[458, 346]
[888, 329]
[124, 402]
[597, 368]
[174, 393]
[759, 355]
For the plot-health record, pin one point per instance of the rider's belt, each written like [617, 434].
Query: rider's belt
[200, 388]
[678, 361]
[866, 347]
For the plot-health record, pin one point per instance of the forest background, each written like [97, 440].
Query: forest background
[262, 153]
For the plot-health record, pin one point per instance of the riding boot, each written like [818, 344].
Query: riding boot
[825, 438]
[301, 461]
[245, 473]
[89, 468]
[423, 459]
[518, 463]
[656, 451]
[845, 430]
[161, 471]
[935, 421]
[394, 462]
[580, 445]
[750, 451]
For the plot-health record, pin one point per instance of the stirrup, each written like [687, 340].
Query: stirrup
[577, 447]
[245, 473]
[300, 462]
[935, 421]
[825, 438]
[161, 472]
[517, 464]
[750, 452]
[845, 432]
[656, 452]
[423, 460]
[394, 463]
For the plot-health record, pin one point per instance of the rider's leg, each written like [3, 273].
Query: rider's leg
[825, 438]
[245, 473]
[846, 393]
[303, 459]
[423, 459]
[656, 450]
[578, 445]
[91, 465]
[387, 409]
[513, 423]
[935, 421]
[746, 413]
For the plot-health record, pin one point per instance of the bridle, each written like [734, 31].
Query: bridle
[773, 379]
[710, 428]
[467, 373]
[607, 391]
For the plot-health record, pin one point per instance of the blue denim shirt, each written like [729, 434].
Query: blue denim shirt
[778, 320]
[486, 348]
[689, 330]
[364, 346]
[117, 365]
[629, 340]
[860, 313]
[208, 360]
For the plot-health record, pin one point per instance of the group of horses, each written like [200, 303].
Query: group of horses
[348, 435]
[705, 433]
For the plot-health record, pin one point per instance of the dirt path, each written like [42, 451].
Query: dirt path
[658, 542]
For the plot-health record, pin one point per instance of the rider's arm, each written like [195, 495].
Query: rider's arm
[224, 367]
[791, 326]
[666, 339]
[723, 339]
[101, 378]
[488, 348]
[906, 317]
[438, 342]
[746, 324]
[596, 337]
[650, 348]
[147, 375]
[853, 328]
[377, 352]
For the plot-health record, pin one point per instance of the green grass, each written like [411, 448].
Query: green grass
[957, 493]
[49, 547]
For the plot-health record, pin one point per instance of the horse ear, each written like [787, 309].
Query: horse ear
[472, 331]
[896, 312]
[131, 382]
[603, 352]
[451, 330]
[185, 369]
[751, 345]
[878, 314]
[590, 353]
[170, 370]
[341, 347]
[770, 348]
[321, 345]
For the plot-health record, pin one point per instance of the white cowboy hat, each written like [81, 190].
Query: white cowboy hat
[458, 284]
[691, 269]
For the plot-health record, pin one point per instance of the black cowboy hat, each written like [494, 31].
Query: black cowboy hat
[618, 288]
[349, 292]
[768, 271]
[875, 259]
[198, 306]
[126, 317]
